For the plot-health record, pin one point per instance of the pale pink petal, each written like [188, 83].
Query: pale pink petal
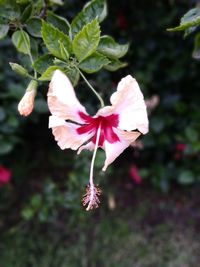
[89, 146]
[62, 100]
[65, 133]
[129, 103]
[115, 149]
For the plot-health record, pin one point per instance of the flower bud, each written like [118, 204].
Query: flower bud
[26, 104]
[19, 69]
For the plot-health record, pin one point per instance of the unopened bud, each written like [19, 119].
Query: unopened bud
[26, 104]
[19, 69]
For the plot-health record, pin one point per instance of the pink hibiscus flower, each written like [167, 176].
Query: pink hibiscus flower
[5, 175]
[113, 128]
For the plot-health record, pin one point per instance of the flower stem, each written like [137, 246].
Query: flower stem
[91, 87]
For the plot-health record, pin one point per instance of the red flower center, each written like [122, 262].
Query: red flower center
[107, 124]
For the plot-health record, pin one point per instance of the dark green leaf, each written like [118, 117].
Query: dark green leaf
[191, 134]
[94, 63]
[3, 30]
[196, 51]
[115, 65]
[46, 76]
[6, 147]
[26, 13]
[21, 41]
[94, 9]
[33, 26]
[34, 48]
[9, 9]
[53, 37]
[59, 22]
[43, 63]
[190, 19]
[73, 75]
[86, 41]
[2, 114]
[110, 48]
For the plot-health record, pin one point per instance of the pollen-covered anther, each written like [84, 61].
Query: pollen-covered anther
[91, 198]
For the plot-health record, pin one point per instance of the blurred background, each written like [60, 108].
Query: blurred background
[149, 214]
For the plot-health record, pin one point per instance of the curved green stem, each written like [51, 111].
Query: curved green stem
[91, 87]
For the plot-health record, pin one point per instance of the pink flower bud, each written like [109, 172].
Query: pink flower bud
[26, 104]
[5, 175]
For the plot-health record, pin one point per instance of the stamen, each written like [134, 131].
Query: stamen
[93, 192]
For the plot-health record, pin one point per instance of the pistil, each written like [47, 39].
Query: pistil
[91, 198]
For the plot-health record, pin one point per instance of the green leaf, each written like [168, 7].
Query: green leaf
[21, 41]
[36, 201]
[191, 134]
[196, 51]
[27, 213]
[94, 9]
[46, 76]
[57, 2]
[6, 147]
[42, 63]
[34, 48]
[26, 13]
[59, 22]
[115, 64]
[9, 9]
[63, 51]
[33, 26]
[22, 2]
[19, 69]
[86, 41]
[3, 30]
[110, 48]
[73, 75]
[53, 37]
[94, 63]
[2, 114]
[186, 177]
[190, 19]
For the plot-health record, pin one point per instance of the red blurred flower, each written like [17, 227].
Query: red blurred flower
[180, 147]
[134, 173]
[5, 175]
[122, 22]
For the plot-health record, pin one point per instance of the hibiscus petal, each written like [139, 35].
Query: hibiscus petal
[62, 100]
[128, 103]
[65, 133]
[115, 149]
[89, 146]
